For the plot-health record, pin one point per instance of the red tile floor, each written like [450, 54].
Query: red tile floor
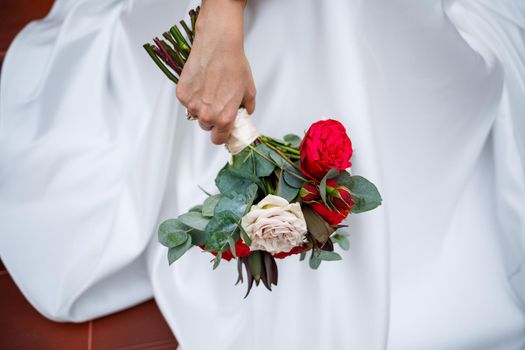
[21, 326]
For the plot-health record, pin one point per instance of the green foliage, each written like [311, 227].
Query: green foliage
[293, 177]
[364, 194]
[209, 204]
[176, 252]
[328, 256]
[194, 220]
[318, 228]
[314, 261]
[220, 228]
[231, 180]
[332, 173]
[340, 237]
[172, 233]
[292, 140]
[286, 191]
[263, 166]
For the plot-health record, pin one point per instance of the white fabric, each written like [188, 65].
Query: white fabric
[95, 152]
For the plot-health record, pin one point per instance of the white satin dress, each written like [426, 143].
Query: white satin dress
[95, 152]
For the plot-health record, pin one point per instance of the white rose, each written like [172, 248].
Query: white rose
[274, 225]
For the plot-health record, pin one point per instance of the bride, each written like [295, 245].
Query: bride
[95, 152]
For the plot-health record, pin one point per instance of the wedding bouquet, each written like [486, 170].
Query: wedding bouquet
[276, 198]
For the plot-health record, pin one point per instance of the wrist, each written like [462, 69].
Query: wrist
[224, 18]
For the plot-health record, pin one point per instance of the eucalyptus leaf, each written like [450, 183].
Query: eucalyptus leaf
[364, 194]
[228, 181]
[322, 186]
[231, 243]
[236, 205]
[176, 252]
[194, 220]
[239, 158]
[172, 233]
[197, 208]
[280, 161]
[286, 191]
[220, 227]
[263, 166]
[314, 261]
[292, 140]
[245, 236]
[344, 179]
[217, 260]
[293, 177]
[209, 204]
[340, 237]
[329, 256]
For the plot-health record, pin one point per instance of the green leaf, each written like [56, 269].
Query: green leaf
[340, 237]
[239, 158]
[254, 262]
[280, 161]
[322, 186]
[220, 227]
[329, 256]
[317, 227]
[292, 177]
[263, 166]
[198, 237]
[286, 191]
[217, 260]
[194, 220]
[364, 194]
[314, 261]
[292, 140]
[231, 180]
[245, 236]
[231, 243]
[344, 179]
[236, 205]
[209, 204]
[176, 252]
[197, 208]
[172, 233]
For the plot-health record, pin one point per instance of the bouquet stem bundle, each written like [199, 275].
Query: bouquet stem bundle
[276, 197]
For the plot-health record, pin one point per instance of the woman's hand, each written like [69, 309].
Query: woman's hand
[217, 79]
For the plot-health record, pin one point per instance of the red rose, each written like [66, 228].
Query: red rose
[309, 192]
[325, 146]
[342, 199]
[241, 249]
[295, 250]
[330, 216]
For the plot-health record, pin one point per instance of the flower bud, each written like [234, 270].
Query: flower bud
[342, 199]
[309, 192]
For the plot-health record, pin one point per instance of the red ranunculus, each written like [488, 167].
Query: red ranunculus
[325, 146]
[330, 216]
[295, 250]
[241, 249]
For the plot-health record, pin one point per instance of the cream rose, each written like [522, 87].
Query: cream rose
[274, 225]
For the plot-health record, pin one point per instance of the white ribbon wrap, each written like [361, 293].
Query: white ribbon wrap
[243, 132]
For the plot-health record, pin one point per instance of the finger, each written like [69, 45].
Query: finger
[249, 95]
[205, 126]
[220, 136]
